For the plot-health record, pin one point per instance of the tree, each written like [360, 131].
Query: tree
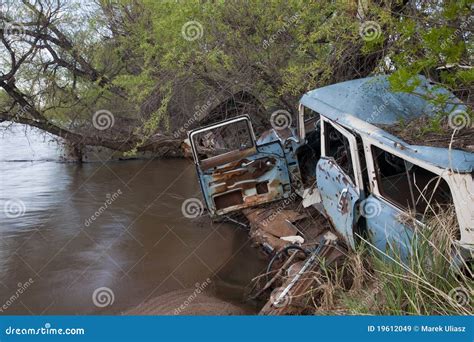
[159, 66]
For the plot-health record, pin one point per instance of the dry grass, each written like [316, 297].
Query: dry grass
[425, 284]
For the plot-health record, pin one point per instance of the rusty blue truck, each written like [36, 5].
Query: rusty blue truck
[337, 156]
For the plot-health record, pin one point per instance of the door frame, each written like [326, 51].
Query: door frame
[244, 117]
[359, 185]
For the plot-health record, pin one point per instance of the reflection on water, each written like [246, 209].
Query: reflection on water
[74, 228]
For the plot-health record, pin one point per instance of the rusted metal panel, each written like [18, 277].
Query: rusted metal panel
[259, 178]
[274, 221]
[227, 158]
[285, 223]
[244, 174]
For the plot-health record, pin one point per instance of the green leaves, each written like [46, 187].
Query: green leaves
[275, 50]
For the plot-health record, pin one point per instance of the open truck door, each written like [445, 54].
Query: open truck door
[339, 178]
[235, 173]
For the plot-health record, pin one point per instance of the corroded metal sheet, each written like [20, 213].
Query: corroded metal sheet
[246, 181]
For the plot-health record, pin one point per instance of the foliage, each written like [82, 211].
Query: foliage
[149, 71]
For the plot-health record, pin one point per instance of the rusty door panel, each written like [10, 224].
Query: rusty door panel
[227, 158]
[236, 172]
[339, 197]
[248, 181]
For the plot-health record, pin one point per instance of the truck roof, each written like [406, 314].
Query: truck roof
[364, 104]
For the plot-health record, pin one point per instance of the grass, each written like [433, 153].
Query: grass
[426, 284]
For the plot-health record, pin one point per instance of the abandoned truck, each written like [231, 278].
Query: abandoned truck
[361, 178]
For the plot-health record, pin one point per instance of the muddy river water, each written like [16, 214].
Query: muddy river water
[69, 230]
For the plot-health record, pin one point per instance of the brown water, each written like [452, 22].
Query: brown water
[139, 247]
